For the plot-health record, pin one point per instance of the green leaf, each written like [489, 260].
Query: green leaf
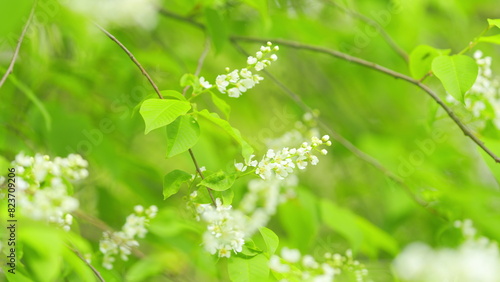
[173, 94]
[219, 181]
[227, 196]
[270, 238]
[182, 134]
[248, 270]
[360, 232]
[160, 112]
[43, 249]
[457, 73]
[32, 96]
[246, 149]
[172, 182]
[300, 219]
[145, 268]
[262, 7]
[495, 39]
[192, 80]
[217, 28]
[494, 22]
[420, 59]
[221, 105]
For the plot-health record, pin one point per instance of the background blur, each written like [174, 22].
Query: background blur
[75, 91]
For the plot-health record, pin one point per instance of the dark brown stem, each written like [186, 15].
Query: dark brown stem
[131, 56]
[10, 69]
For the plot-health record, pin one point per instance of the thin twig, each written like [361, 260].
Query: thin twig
[384, 70]
[145, 73]
[10, 69]
[78, 254]
[181, 18]
[201, 59]
[198, 170]
[104, 227]
[346, 143]
[203, 56]
[374, 24]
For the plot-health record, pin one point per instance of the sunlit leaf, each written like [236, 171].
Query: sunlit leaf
[420, 59]
[182, 134]
[457, 73]
[270, 238]
[248, 270]
[246, 149]
[160, 112]
[172, 182]
[219, 181]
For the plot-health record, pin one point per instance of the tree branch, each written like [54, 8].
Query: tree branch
[145, 73]
[10, 69]
[384, 70]
[131, 56]
[388, 39]
[346, 143]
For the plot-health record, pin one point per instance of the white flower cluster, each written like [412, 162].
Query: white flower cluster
[236, 82]
[476, 259]
[122, 242]
[123, 13]
[43, 186]
[283, 162]
[483, 99]
[306, 268]
[226, 228]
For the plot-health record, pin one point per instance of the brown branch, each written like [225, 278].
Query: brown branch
[10, 69]
[467, 132]
[131, 56]
[388, 39]
[145, 73]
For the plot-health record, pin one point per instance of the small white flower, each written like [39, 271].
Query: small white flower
[234, 92]
[205, 84]
[290, 255]
[276, 265]
[251, 60]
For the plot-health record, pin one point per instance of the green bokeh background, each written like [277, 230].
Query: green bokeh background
[90, 88]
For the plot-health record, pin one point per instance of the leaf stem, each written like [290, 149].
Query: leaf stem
[475, 41]
[201, 175]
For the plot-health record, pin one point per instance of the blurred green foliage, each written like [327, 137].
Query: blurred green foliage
[86, 90]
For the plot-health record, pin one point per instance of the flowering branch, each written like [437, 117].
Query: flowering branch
[145, 73]
[364, 63]
[18, 47]
[344, 142]
[384, 70]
